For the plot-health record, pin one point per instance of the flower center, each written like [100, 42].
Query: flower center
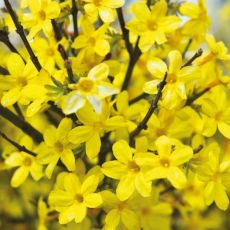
[42, 15]
[165, 162]
[171, 78]
[86, 85]
[27, 161]
[218, 115]
[59, 146]
[145, 211]
[97, 2]
[132, 165]
[152, 25]
[22, 81]
[79, 198]
[50, 52]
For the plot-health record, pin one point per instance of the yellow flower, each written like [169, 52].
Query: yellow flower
[166, 164]
[42, 11]
[217, 108]
[57, 146]
[118, 212]
[127, 170]
[105, 9]
[26, 163]
[199, 22]
[217, 51]
[94, 126]
[93, 88]
[73, 200]
[215, 175]
[92, 39]
[178, 78]
[152, 25]
[21, 75]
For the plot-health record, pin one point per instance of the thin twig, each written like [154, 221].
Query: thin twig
[4, 38]
[186, 48]
[74, 13]
[18, 111]
[194, 97]
[20, 31]
[21, 124]
[153, 106]
[138, 98]
[195, 56]
[4, 71]
[67, 63]
[21, 148]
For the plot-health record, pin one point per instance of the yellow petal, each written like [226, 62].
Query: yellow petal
[72, 183]
[93, 145]
[15, 65]
[114, 169]
[143, 186]
[122, 151]
[106, 14]
[150, 87]
[176, 177]
[67, 214]
[175, 61]
[181, 155]
[125, 187]
[11, 97]
[64, 127]
[80, 134]
[93, 200]
[89, 185]
[68, 159]
[221, 197]
[19, 176]
[157, 67]
[60, 198]
[102, 47]
[112, 220]
[99, 72]
[224, 129]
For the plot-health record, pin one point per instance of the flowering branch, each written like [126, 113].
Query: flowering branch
[151, 110]
[20, 31]
[21, 124]
[21, 148]
[67, 63]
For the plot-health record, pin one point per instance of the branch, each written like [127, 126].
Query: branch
[195, 56]
[194, 97]
[56, 29]
[21, 124]
[133, 54]
[20, 31]
[187, 47]
[74, 12]
[138, 98]
[67, 63]
[153, 106]
[3, 71]
[19, 147]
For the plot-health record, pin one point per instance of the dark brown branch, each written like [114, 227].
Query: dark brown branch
[18, 111]
[4, 38]
[149, 3]
[67, 63]
[3, 71]
[194, 57]
[57, 32]
[74, 13]
[138, 98]
[20, 31]
[133, 54]
[153, 107]
[19, 147]
[21, 124]
[194, 97]
[187, 47]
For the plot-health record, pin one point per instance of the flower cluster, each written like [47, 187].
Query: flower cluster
[113, 122]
